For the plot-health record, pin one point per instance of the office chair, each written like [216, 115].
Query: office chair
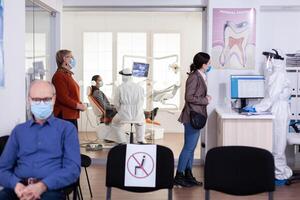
[115, 171]
[294, 139]
[239, 170]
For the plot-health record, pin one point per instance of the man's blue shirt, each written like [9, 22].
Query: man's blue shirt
[48, 152]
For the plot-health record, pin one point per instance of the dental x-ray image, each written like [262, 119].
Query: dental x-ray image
[140, 69]
[233, 38]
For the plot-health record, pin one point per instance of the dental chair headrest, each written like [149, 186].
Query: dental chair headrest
[89, 90]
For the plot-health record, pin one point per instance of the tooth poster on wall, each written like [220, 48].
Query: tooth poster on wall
[1, 46]
[233, 38]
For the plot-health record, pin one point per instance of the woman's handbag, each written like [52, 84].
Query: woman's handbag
[197, 120]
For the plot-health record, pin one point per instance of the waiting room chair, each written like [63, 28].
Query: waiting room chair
[294, 139]
[239, 170]
[86, 162]
[73, 188]
[115, 171]
[3, 140]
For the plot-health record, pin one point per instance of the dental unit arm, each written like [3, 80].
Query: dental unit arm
[165, 94]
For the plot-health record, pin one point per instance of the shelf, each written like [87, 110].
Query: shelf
[292, 68]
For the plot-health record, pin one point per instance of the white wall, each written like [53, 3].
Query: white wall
[134, 3]
[57, 6]
[188, 24]
[274, 29]
[53, 4]
[12, 96]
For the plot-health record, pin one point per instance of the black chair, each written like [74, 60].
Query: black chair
[73, 188]
[239, 170]
[115, 171]
[86, 162]
[3, 140]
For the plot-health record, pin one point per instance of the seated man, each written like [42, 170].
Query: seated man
[110, 110]
[42, 155]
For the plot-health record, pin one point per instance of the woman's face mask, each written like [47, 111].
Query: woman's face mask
[209, 67]
[99, 83]
[72, 63]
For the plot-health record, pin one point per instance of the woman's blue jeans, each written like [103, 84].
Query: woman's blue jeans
[186, 158]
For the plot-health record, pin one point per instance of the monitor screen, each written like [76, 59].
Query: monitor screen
[247, 86]
[140, 69]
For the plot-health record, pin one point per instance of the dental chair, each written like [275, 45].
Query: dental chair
[102, 121]
[153, 128]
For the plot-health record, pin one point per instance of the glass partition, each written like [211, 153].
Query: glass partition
[38, 27]
[38, 35]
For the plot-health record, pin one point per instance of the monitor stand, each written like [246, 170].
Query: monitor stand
[243, 104]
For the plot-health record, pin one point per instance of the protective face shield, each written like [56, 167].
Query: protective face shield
[278, 65]
[126, 78]
[269, 64]
[126, 74]
[41, 109]
[72, 63]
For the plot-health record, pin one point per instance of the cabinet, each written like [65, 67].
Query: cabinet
[293, 74]
[236, 129]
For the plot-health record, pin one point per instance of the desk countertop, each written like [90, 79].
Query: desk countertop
[226, 113]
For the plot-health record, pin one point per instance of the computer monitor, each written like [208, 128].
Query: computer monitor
[247, 87]
[140, 69]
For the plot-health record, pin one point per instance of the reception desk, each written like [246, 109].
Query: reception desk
[236, 129]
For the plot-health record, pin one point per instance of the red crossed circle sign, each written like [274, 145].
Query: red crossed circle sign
[135, 163]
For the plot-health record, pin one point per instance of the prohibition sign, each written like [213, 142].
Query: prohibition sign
[138, 162]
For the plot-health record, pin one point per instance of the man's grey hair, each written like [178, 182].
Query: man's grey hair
[42, 81]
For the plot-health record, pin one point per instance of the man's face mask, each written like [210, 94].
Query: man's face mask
[41, 109]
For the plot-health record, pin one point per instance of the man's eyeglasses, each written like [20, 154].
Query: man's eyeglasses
[39, 100]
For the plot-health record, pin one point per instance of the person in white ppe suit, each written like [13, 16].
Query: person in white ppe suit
[129, 101]
[276, 100]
